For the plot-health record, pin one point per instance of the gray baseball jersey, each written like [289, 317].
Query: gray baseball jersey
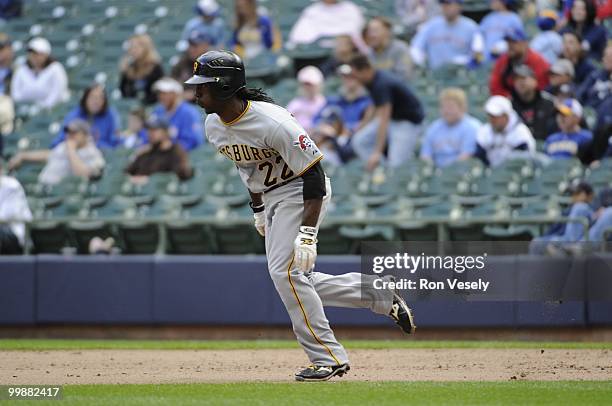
[266, 143]
[270, 148]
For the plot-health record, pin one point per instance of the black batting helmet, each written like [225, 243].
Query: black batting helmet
[223, 69]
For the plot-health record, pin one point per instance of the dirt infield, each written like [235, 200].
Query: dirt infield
[192, 366]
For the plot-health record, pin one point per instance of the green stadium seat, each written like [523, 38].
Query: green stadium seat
[509, 233]
[83, 231]
[48, 237]
[357, 234]
[186, 238]
[114, 209]
[466, 232]
[331, 242]
[138, 237]
[417, 231]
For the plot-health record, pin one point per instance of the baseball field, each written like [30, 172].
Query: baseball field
[134, 372]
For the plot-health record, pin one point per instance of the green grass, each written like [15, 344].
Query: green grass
[50, 344]
[342, 393]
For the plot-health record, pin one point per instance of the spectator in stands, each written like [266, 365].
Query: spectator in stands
[602, 217]
[6, 64]
[344, 49]
[604, 9]
[199, 42]
[353, 101]
[7, 108]
[10, 9]
[519, 53]
[396, 123]
[332, 136]
[413, 13]
[160, 155]
[582, 20]
[598, 85]
[326, 18]
[572, 140]
[140, 68]
[500, 20]
[254, 33]
[7, 119]
[548, 42]
[602, 134]
[310, 100]
[561, 77]
[536, 108]
[582, 195]
[387, 52]
[14, 211]
[41, 80]
[94, 109]
[452, 137]
[185, 119]
[135, 135]
[504, 136]
[448, 39]
[573, 51]
[207, 21]
[76, 156]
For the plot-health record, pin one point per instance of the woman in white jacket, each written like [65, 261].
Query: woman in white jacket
[41, 80]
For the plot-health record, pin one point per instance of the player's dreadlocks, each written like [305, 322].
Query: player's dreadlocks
[253, 94]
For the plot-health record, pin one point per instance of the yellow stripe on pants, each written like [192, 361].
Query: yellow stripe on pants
[304, 314]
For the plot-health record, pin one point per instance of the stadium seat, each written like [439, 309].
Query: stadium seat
[48, 237]
[138, 237]
[357, 234]
[509, 233]
[83, 231]
[115, 208]
[331, 242]
[187, 238]
[417, 231]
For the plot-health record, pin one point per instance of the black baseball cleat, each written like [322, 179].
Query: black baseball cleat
[321, 373]
[402, 315]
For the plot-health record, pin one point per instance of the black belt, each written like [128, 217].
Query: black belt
[280, 184]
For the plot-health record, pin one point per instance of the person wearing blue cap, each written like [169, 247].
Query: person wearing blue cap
[519, 53]
[207, 21]
[501, 19]
[449, 39]
[547, 42]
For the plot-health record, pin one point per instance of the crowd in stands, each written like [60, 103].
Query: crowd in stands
[548, 64]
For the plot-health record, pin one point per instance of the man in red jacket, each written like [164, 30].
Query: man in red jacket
[519, 53]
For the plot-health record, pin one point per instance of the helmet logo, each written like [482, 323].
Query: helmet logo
[195, 67]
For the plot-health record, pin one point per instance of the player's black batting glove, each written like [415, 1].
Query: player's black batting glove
[259, 214]
[305, 248]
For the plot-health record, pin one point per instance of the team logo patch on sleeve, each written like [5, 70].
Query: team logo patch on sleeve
[305, 143]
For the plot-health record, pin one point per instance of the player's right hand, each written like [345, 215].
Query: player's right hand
[260, 222]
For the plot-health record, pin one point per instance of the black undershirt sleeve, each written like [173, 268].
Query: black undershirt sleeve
[314, 182]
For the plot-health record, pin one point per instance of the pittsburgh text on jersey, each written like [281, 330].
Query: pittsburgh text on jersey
[247, 153]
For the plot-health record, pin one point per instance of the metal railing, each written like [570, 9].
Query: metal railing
[442, 223]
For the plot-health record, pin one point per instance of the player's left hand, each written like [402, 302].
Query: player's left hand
[305, 248]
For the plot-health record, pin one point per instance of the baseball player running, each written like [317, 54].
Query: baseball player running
[280, 166]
